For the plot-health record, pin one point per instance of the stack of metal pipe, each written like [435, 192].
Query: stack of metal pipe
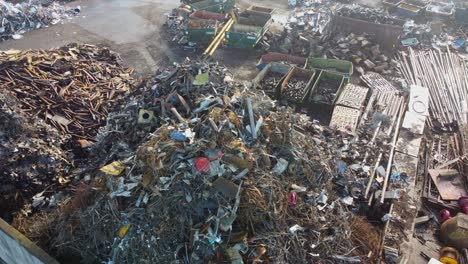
[446, 76]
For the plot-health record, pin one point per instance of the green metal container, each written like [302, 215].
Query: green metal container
[200, 36]
[261, 9]
[202, 26]
[279, 69]
[296, 74]
[217, 6]
[338, 66]
[332, 80]
[249, 29]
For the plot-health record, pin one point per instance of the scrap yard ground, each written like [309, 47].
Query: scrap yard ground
[133, 28]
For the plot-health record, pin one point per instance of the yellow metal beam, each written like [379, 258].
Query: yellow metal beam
[219, 36]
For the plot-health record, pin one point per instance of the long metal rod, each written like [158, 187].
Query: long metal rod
[392, 151]
[379, 158]
[219, 37]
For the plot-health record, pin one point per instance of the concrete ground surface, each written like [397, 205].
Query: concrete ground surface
[130, 27]
[134, 28]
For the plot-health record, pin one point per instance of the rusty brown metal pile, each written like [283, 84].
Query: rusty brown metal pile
[31, 159]
[52, 105]
[70, 88]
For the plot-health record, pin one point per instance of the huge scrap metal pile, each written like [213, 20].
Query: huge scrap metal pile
[200, 169]
[194, 165]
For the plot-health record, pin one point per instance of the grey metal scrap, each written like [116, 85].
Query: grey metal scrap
[377, 82]
[16, 19]
[385, 35]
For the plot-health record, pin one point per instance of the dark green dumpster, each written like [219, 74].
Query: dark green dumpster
[202, 26]
[248, 30]
[217, 6]
[327, 88]
[332, 65]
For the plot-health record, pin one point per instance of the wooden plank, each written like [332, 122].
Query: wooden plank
[16, 248]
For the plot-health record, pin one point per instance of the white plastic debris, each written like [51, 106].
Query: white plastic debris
[281, 166]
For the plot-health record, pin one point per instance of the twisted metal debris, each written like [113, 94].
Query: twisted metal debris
[215, 172]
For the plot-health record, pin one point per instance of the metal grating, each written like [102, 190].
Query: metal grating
[377, 82]
[345, 118]
[353, 96]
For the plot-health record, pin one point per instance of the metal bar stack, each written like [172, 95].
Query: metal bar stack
[446, 76]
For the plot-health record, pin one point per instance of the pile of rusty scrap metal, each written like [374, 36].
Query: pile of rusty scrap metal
[374, 15]
[360, 49]
[198, 169]
[52, 105]
[71, 88]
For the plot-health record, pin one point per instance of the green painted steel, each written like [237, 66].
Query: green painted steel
[324, 76]
[340, 66]
[248, 30]
[217, 6]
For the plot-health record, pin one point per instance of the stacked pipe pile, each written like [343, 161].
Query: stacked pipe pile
[446, 76]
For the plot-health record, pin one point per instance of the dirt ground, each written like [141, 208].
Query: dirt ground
[134, 28]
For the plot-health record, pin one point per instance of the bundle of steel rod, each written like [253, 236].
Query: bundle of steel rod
[71, 88]
[446, 76]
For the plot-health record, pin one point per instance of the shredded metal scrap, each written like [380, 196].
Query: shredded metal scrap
[222, 173]
[19, 18]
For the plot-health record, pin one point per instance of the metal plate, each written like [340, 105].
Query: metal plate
[414, 122]
[450, 186]
[419, 100]
[408, 142]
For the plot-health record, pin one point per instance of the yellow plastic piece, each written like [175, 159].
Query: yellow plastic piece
[115, 168]
[123, 230]
[448, 260]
